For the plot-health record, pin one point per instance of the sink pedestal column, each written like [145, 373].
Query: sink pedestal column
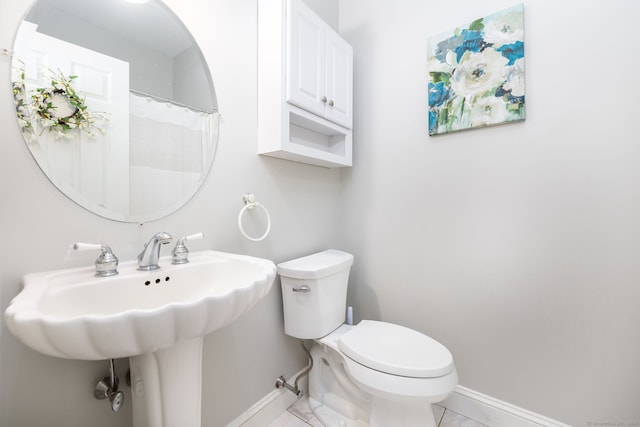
[166, 386]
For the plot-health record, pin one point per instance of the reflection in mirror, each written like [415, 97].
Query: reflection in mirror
[116, 104]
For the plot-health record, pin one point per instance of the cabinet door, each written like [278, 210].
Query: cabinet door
[339, 80]
[305, 86]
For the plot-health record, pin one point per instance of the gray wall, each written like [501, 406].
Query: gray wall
[518, 246]
[38, 224]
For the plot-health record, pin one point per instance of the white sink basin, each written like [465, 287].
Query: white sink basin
[74, 315]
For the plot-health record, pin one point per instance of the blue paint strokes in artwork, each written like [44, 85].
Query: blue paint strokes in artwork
[433, 121]
[443, 47]
[512, 52]
[501, 92]
[439, 93]
[467, 40]
[470, 40]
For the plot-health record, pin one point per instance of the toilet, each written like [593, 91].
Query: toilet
[374, 373]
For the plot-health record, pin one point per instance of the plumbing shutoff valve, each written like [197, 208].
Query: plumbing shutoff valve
[281, 382]
[107, 388]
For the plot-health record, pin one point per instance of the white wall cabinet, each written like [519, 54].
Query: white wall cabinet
[319, 67]
[305, 86]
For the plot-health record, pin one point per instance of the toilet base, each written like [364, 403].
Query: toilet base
[330, 418]
[337, 402]
[385, 413]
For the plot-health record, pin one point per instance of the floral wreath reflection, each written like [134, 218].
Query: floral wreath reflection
[58, 108]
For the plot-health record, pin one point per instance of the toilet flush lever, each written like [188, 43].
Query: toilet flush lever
[302, 288]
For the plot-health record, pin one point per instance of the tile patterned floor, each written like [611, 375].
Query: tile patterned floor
[299, 415]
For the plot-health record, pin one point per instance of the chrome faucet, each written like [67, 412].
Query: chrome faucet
[180, 254]
[148, 258]
[107, 262]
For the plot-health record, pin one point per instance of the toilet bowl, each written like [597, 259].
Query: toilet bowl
[374, 373]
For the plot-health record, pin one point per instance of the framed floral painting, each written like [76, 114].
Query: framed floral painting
[476, 73]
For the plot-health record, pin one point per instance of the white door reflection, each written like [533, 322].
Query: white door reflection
[92, 170]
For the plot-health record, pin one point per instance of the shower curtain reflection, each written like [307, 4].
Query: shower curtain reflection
[171, 147]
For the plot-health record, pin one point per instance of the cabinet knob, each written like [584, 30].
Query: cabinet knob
[324, 100]
[331, 103]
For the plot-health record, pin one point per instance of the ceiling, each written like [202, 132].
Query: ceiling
[151, 24]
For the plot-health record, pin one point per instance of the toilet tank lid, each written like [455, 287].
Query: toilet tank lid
[316, 266]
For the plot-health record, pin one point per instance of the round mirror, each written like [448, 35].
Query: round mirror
[116, 104]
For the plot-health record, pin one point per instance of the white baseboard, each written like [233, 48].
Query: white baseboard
[493, 412]
[270, 407]
[471, 404]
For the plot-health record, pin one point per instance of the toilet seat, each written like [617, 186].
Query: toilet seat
[399, 388]
[396, 350]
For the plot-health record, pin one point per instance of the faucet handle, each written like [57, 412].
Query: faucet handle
[180, 254]
[106, 263]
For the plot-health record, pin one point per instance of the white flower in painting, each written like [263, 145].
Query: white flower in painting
[506, 30]
[515, 78]
[479, 72]
[451, 58]
[488, 111]
[436, 66]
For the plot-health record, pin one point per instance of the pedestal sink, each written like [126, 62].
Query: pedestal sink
[156, 318]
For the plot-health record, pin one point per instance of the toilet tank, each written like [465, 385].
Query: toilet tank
[314, 293]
